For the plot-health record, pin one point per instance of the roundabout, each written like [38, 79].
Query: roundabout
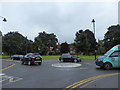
[66, 65]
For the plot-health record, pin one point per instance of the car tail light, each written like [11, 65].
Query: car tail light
[33, 57]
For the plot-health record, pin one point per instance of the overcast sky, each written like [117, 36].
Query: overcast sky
[63, 19]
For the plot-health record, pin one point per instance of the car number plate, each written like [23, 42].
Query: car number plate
[37, 61]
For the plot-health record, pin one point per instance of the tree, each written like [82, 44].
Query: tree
[39, 47]
[45, 42]
[0, 42]
[64, 48]
[15, 43]
[1, 34]
[84, 42]
[100, 47]
[112, 37]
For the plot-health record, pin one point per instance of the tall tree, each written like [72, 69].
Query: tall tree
[64, 48]
[100, 47]
[85, 42]
[16, 43]
[0, 42]
[39, 47]
[112, 36]
[45, 42]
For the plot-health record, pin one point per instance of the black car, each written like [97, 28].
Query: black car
[32, 58]
[17, 57]
[70, 58]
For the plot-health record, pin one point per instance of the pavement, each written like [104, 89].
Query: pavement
[87, 75]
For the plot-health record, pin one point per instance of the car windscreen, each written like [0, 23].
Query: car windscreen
[35, 55]
[15, 55]
[66, 56]
[108, 52]
[20, 55]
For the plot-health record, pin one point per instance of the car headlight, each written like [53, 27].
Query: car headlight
[100, 59]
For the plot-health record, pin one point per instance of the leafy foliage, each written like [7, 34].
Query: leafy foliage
[100, 47]
[112, 37]
[64, 48]
[1, 34]
[15, 43]
[85, 42]
[0, 42]
[45, 42]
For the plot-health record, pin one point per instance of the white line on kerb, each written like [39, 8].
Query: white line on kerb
[66, 65]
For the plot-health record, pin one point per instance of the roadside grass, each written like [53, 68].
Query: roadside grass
[56, 57]
[88, 57]
[50, 57]
[4, 57]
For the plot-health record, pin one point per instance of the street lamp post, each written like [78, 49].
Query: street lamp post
[93, 21]
[4, 19]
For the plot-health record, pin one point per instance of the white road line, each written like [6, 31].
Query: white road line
[11, 60]
[66, 65]
[8, 79]
[1, 74]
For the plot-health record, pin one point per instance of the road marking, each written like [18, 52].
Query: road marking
[1, 74]
[5, 79]
[88, 83]
[12, 60]
[66, 65]
[7, 67]
[15, 79]
[88, 80]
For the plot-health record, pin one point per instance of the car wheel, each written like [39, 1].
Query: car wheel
[101, 67]
[22, 62]
[29, 63]
[75, 61]
[107, 66]
[79, 60]
[61, 60]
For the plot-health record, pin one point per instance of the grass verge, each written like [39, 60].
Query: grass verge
[88, 57]
[4, 57]
[51, 57]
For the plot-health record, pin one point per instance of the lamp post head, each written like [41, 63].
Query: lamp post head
[93, 20]
[4, 20]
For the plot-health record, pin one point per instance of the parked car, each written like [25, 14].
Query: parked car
[32, 58]
[17, 57]
[110, 59]
[69, 58]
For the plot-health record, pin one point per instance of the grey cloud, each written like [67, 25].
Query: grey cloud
[63, 19]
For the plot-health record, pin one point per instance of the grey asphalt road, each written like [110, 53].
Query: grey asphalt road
[47, 76]
[5, 63]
